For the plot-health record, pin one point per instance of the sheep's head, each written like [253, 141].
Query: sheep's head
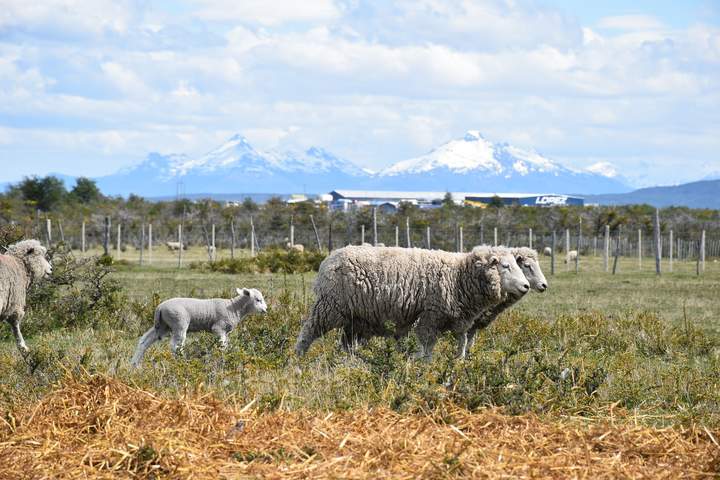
[512, 280]
[527, 260]
[253, 299]
[32, 253]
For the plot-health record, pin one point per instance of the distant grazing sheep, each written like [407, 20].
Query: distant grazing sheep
[547, 251]
[177, 316]
[379, 244]
[571, 256]
[23, 264]
[366, 244]
[298, 247]
[359, 289]
[172, 246]
[527, 260]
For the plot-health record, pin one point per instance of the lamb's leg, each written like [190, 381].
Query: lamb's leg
[177, 341]
[14, 321]
[148, 338]
[222, 336]
[462, 340]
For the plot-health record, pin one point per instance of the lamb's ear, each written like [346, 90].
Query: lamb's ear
[238, 291]
[246, 292]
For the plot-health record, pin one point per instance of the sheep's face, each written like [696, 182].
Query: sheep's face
[255, 299]
[512, 279]
[35, 257]
[531, 269]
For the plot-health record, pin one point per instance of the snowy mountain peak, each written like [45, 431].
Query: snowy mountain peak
[606, 169]
[472, 135]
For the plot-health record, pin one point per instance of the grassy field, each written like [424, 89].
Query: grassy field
[632, 347]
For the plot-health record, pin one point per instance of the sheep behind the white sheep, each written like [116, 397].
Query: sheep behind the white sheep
[23, 264]
[359, 289]
[178, 316]
[571, 256]
[527, 260]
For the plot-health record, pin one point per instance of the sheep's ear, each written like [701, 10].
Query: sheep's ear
[493, 261]
[520, 259]
[238, 291]
[246, 292]
[30, 251]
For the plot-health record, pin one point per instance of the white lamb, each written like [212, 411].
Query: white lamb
[177, 316]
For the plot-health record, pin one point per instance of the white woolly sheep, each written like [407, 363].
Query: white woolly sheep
[23, 264]
[527, 260]
[178, 316]
[298, 247]
[571, 256]
[547, 251]
[172, 246]
[359, 289]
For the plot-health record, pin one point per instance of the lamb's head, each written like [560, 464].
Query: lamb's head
[32, 253]
[252, 299]
[527, 260]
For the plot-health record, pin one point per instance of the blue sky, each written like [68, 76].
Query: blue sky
[91, 86]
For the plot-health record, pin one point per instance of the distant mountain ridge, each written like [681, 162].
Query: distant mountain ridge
[701, 194]
[470, 163]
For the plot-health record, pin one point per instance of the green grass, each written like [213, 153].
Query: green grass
[633, 341]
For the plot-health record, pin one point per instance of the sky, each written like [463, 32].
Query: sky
[88, 87]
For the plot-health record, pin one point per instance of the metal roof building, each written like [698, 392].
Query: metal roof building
[345, 198]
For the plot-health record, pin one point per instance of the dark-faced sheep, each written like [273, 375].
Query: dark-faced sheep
[178, 316]
[368, 291]
[23, 264]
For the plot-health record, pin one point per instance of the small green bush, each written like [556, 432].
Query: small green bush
[274, 260]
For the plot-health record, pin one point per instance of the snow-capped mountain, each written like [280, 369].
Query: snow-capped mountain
[471, 163]
[234, 167]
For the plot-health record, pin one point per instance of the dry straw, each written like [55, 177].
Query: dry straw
[98, 427]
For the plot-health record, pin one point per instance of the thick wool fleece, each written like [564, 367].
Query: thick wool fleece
[370, 291]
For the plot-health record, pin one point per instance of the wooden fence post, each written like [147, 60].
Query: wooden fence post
[142, 242]
[407, 232]
[617, 251]
[60, 229]
[119, 239]
[495, 236]
[482, 233]
[530, 239]
[252, 237]
[82, 237]
[639, 249]
[48, 232]
[150, 243]
[658, 244]
[232, 238]
[606, 260]
[213, 253]
[362, 234]
[670, 245]
[577, 246]
[427, 235]
[397, 235]
[330, 239]
[702, 252]
[460, 232]
[106, 236]
[180, 242]
[375, 237]
[552, 253]
[567, 249]
[292, 230]
[317, 236]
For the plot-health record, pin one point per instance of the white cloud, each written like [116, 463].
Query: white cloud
[267, 12]
[631, 22]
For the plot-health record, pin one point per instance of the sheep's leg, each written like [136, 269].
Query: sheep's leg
[150, 337]
[471, 337]
[322, 319]
[462, 340]
[14, 321]
[177, 342]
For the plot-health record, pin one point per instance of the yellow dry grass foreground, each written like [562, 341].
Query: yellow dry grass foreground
[99, 427]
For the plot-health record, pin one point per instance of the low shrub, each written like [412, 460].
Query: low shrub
[274, 260]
